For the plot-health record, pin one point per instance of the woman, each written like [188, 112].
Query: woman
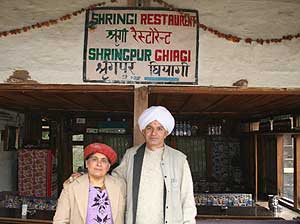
[95, 197]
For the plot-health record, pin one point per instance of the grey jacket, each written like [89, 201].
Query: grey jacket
[179, 200]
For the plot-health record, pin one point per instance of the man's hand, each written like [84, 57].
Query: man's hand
[73, 177]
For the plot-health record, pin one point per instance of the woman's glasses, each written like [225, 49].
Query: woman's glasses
[97, 160]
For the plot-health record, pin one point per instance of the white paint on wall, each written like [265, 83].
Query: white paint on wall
[223, 62]
[54, 55]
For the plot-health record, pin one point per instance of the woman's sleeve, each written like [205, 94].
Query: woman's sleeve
[62, 214]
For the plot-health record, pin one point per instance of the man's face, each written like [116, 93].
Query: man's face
[154, 134]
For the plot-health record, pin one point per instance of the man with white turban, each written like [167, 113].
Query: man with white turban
[158, 177]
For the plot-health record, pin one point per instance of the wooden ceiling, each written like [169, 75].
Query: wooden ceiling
[239, 103]
[67, 98]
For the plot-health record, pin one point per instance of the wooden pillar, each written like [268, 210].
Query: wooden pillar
[64, 149]
[256, 167]
[140, 104]
[297, 172]
[279, 164]
[33, 128]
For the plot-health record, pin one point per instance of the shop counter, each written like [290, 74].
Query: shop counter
[225, 212]
[248, 222]
[13, 215]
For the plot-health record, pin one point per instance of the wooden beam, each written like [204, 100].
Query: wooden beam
[66, 88]
[215, 103]
[185, 102]
[222, 90]
[25, 99]
[297, 172]
[140, 104]
[279, 165]
[68, 101]
[98, 100]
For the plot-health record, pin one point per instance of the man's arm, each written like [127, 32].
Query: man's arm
[187, 196]
[120, 171]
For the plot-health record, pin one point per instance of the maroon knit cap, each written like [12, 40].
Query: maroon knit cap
[103, 149]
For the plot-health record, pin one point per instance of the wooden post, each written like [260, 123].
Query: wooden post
[140, 104]
[279, 164]
[297, 172]
[33, 128]
[64, 146]
[256, 167]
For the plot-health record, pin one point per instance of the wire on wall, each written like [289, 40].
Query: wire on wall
[50, 22]
[219, 34]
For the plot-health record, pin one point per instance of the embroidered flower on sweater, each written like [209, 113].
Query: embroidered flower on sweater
[99, 210]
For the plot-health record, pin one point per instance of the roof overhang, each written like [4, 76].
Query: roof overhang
[241, 103]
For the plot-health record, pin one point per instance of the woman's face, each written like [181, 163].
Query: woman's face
[97, 165]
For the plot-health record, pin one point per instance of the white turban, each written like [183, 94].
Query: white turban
[158, 113]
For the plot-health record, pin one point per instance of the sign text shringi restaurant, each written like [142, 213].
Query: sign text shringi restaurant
[141, 46]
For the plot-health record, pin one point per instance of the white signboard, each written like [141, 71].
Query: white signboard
[130, 45]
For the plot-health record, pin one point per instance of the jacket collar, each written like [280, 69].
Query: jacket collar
[81, 192]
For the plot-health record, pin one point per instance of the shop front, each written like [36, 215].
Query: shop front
[90, 73]
[232, 154]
